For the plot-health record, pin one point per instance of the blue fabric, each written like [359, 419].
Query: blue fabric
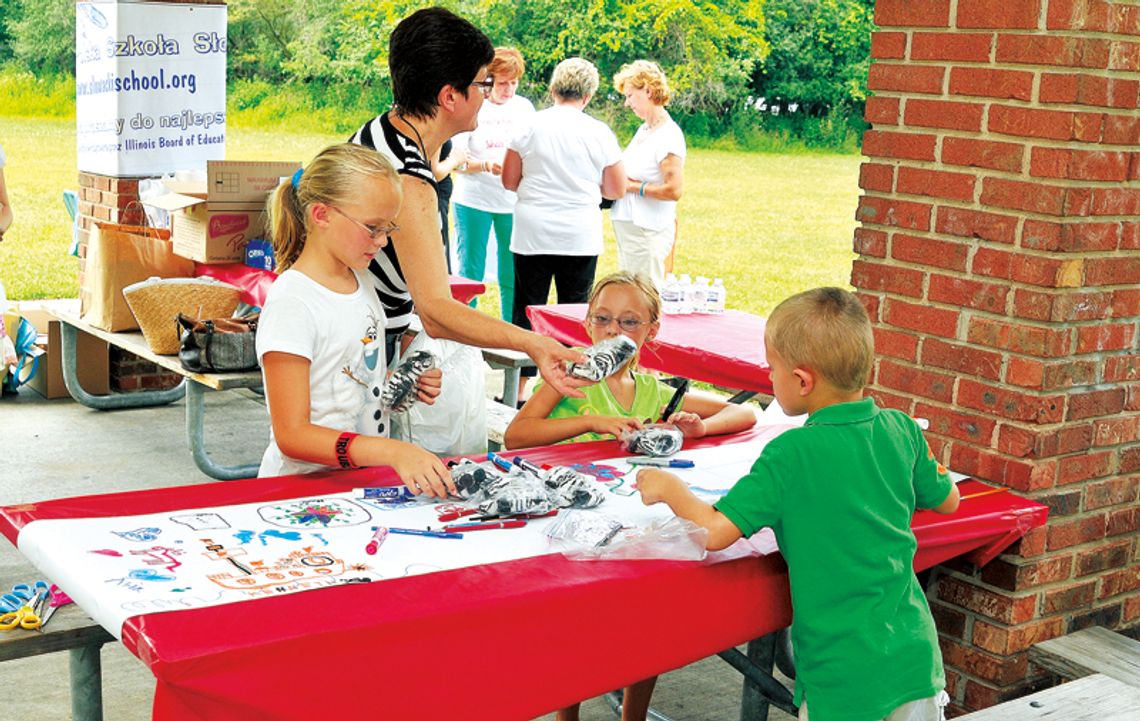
[474, 230]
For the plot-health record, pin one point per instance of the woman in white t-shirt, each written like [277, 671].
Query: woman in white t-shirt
[645, 217]
[481, 202]
[561, 166]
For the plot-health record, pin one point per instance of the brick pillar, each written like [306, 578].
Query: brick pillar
[999, 257]
[113, 199]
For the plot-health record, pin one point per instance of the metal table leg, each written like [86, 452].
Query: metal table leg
[86, 669]
[195, 413]
[511, 387]
[760, 688]
[614, 701]
[142, 399]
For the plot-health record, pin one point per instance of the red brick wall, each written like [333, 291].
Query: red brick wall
[999, 258]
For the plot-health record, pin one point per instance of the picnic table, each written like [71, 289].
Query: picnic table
[724, 349]
[496, 640]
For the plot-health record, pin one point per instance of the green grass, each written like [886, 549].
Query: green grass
[769, 224]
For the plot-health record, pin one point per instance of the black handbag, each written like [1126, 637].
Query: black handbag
[218, 345]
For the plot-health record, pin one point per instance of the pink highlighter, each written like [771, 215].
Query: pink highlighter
[377, 538]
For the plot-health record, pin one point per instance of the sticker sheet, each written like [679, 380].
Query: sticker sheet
[125, 566]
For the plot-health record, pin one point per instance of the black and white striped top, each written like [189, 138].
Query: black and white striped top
[408, 159]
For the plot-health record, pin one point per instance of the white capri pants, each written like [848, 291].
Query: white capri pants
[924, 709]
[641, 250]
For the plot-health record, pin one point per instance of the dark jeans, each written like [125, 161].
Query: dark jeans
[573, 276]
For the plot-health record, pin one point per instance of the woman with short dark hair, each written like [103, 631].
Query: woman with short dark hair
[438, 63]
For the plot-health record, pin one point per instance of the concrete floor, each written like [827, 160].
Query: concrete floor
[58, 449]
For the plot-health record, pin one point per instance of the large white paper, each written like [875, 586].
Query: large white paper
[125, 566]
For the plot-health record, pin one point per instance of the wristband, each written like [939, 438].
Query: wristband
[641, 191]
[342, 444]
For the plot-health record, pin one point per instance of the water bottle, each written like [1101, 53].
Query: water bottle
[686, 294]
[717, 295]
[701, 295]
[671, 295]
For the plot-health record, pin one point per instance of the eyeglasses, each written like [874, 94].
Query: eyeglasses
[602, 320]
[487, 84]
[374, 231]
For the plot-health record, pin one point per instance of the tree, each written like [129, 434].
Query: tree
[42, 34]
[820, 53]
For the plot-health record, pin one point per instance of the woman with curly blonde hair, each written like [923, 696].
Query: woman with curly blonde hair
[644, 218]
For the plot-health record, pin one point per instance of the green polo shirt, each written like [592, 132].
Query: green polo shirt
[839, 493]
[649, 397]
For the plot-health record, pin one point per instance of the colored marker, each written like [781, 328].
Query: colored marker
[528, 466]
[460, 527]
[377, 538]
[675, 402]
[661, 462]
[499, 461]
[422, 532]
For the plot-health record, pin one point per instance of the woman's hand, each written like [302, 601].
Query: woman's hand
[613, 425]
[429, 386]
[690, 424]
[551, 358]
[421, 471]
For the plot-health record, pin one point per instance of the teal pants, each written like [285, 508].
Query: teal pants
[473, 232]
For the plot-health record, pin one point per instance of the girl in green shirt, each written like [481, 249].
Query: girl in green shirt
[629, 304]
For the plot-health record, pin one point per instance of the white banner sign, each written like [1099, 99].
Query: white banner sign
[150, 87]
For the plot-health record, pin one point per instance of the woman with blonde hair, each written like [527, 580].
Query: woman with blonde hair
[561, 165]
[644, 218]
[481, 202]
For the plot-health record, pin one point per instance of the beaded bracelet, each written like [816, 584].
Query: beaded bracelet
[342, 443]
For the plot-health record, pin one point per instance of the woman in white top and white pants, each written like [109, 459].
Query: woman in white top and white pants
[645, 217]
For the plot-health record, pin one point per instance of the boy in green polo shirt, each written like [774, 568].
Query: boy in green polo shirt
[839, 493]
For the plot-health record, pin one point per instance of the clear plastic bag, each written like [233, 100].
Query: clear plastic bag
[574, 489]
[655, 440]
[516, 492]
[604, 358]
[588, 535]
[399, 392]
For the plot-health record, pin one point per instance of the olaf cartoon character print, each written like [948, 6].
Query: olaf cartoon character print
[365, 373]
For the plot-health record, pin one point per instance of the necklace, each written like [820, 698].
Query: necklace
[658, 121]
[422, 147]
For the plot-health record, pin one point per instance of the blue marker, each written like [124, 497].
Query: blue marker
[499, 461]
[422, 532]
[661, 462]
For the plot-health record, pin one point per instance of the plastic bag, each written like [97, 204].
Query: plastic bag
[456, 424]
[604, 358]
[655, 440]
[588, 535]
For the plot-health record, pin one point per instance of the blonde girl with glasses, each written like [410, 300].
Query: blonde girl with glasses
[630, 305]
[321, 335]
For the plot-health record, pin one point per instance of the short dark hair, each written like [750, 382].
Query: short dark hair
[431, 48]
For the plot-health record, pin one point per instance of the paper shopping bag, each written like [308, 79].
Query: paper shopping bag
[118, 256]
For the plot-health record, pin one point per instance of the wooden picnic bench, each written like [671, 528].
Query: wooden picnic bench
[70, 629]
[193, 386]
[1093, 650]
[1092, 698]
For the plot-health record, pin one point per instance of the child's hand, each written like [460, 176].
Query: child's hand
[421, 471]
[429, 386]
[690, 424]
[613, 425]
[655, 485]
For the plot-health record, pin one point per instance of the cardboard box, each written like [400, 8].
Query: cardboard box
[212, 223]
[93, 360]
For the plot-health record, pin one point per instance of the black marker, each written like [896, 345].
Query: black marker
[675, 402]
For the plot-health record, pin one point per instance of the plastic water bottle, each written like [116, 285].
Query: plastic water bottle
[717, 297]
[701, 295]
[671, 295]
[686, 294]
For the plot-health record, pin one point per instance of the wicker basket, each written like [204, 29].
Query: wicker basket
[156, 303]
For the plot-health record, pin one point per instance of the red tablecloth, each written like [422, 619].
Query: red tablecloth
[499, 641]
[254, 282]
[725, 349]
